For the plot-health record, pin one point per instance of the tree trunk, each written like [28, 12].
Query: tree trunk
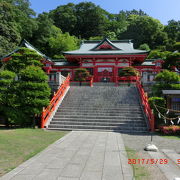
[34, 122]
[7, 123]
[80, 83]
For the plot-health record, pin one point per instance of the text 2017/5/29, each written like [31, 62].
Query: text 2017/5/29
[150, 161]
[147, 161]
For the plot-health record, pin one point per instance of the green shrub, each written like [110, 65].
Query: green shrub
[175, 86]
[159, 101]
[165, 80]
[128, 71]
[81, 74]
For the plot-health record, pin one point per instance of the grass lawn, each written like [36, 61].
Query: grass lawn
[172, 137]
[140, 172]
[177, 137]
[18, 145]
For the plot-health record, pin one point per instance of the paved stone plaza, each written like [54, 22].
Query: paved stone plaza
[80, 155]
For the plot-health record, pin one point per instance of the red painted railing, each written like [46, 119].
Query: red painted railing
[47, 112]
[91, 81]
[146, 106]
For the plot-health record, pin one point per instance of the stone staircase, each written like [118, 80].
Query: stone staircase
[102, 108]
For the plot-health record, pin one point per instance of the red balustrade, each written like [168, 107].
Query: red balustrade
[91, 81]
[146, 106]
[47, 112]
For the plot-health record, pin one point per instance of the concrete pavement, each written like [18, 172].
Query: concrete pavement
[80, 155]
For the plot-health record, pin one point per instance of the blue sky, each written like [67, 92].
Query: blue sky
[164, 10]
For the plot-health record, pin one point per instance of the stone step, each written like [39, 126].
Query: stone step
[129, 131]
[98, 117]
[104, 84]
[104, 104]
[98, 123]
[99, 108]
[86, 113]
[97, 127]
[80, 111]
[99, 120]
[85, 119]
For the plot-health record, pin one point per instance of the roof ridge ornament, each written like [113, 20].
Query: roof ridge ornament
[105, 44]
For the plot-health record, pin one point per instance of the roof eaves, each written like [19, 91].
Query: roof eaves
[22, 44]
[66, 53]
[25, 41]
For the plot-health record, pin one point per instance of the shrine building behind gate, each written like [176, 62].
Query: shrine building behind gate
[105, 59]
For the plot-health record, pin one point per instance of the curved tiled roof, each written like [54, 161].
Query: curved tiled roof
[118, 47]
[26, 44]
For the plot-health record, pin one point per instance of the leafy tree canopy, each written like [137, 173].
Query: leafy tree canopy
[173, 30]
[23, 58]
[16, 22]
[165, 80]
[128, 71]
[155, 54]
[144, 47]
[145, 29]
[81, 74]
[167, 77]
[61, 42]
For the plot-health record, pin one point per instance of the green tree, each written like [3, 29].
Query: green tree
[144, 47]
[16, 22]
[29, 91]
[128, 71]
[91, 20]
[167, 77]
[173, 30]
[34, 93]
[9, 34]
[134, 12]
[60, 42]
[145, 29]
[159, 101]
[7, 96]
[24, 17]
[44, 31]
[172, 60]
[50, 39]
[165, 80]
[111, 35]
[81, 75]
[83, 20]
[23, 58]
[64, 17]
[155, 54]
[177, 46]
[96, 38]
[117, 23]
